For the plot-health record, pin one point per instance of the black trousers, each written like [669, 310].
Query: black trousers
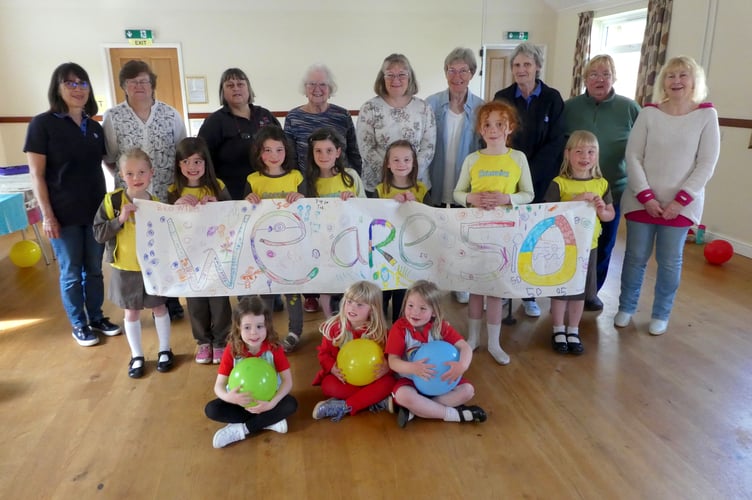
[230, 413]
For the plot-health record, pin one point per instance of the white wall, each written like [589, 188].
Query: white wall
[275, 41]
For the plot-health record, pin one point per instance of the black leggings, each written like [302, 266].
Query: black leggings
[230, 413]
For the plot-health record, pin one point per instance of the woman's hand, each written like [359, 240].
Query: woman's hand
[293, 197]
[125, 212]
[672, 210]
[51, 227]
[653, 208]
[187, 199]
[253, 198]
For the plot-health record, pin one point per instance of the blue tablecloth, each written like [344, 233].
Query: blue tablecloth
[12, 213]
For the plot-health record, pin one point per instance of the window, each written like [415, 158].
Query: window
[620, 36]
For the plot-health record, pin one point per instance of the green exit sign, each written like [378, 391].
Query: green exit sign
[516, 35]
[139, 37]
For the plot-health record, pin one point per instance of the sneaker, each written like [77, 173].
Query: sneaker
[105, 327]
[311, 305]
[384, 404]
[331, 408]
[657, 326]
[404, 416]
[531, 308]
[278, 305]
[462, 297]
[290, 342]
[622, 319]
[217, 354]
[231, 433]
[280, 427]
[85, 336]
[204, 354]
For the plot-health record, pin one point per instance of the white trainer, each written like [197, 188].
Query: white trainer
[231, 433]
[462, 297]
[622, 319]
[657, 326]
[280, 427]
[531, 308]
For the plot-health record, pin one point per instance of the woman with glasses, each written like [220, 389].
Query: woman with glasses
[64, 147]
[610, 117]
[395, 113]
[318, 86]
[230, 130]
[150, 125]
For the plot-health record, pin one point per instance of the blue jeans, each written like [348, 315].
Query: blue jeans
[606, 242]
[669, 247]
[79, 257]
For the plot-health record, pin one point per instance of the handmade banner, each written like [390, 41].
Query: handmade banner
[321, 245]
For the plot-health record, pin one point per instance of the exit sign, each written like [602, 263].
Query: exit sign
[516, 35]
[139, 37]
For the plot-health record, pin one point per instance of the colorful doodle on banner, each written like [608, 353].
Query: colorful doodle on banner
[321, 245]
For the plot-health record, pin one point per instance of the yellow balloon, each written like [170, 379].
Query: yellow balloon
[25, 253]
[358, 359]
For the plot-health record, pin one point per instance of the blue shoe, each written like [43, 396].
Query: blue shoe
[85, 336]
[105, 327]
[331, 408]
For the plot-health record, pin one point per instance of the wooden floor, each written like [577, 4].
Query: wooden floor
[635, 417]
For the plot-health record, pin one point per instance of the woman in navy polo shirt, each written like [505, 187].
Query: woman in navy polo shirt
[64, 147]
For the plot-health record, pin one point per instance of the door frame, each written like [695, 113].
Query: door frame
[113, 84]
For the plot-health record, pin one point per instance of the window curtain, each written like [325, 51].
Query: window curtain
[581, 51]
[653, 52]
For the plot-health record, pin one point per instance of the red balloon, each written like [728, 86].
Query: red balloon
[718, 252]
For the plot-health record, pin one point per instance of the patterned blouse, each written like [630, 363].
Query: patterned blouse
[158, 136]
[379, 125]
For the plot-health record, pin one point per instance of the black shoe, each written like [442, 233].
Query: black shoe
[104, 326]
[278, 305]
[574, 347]
[594, 305]
[174, 308]
[560, 347]
[165, 366]
[403, 416]
[138, 371]
[477, 413]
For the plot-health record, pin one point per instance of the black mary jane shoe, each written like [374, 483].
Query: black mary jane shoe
[137, 371]
[560, 347]
[575, 348]
[165, 366]
[478, 414]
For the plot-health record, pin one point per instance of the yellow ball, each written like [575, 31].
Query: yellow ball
[25, 253]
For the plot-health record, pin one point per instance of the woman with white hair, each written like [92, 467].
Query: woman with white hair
[318, 86]
[671, 154]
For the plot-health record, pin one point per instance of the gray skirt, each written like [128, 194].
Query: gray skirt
[127, 291]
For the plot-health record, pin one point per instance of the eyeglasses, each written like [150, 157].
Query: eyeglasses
[75, 85]
[316, 85]
[462, 72]
[598, 76]
[396, 76]
[138, 83]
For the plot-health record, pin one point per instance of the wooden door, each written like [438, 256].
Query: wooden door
[163, 62]
[498, 73]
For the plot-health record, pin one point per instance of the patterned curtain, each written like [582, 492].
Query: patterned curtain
[653, 53]
[581, 51]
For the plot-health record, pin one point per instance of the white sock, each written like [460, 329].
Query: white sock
[162, 324]
[133, 334]
[451, 414]
[494, 344]
[573, 330]
[473, 332]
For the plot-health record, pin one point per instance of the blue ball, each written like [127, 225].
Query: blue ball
[438, 353]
